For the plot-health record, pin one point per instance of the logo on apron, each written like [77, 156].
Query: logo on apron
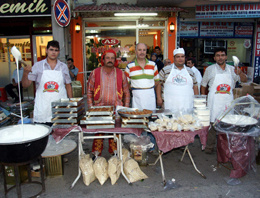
[223, 89]
[51, 86]
[179, 80]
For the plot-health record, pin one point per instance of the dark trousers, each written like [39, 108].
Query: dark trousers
[9, 89]
[211, 138]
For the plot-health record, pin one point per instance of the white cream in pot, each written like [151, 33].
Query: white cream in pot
[22, 133]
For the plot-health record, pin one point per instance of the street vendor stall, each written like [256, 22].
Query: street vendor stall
[166, 140]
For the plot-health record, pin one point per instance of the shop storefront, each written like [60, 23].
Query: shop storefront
[231, 26]
[27, 25]
[103, 29]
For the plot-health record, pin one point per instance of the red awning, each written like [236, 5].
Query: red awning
[111, 7]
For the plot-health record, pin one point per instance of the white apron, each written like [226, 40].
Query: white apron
[144, 99]
[197, 75]
[51, 88]
[220, 94]
[178, 90]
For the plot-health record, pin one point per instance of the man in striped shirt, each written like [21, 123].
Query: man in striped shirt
[143, 77]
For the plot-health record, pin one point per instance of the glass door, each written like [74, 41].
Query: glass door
[7, 61]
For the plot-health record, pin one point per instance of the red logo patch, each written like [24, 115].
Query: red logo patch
[51, 86]
[223, 89]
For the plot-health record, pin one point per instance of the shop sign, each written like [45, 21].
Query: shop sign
[104, 48]
[216, 29]
[188, 29]
[245, 10]
[61, 13]
[110, 41]
[244, 29]
[25, 8]
[257, 53]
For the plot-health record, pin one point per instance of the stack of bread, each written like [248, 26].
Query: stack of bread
[201, 111]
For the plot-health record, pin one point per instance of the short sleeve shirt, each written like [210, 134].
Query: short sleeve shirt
[20, 73]
[211, 71]
[37, 71]
[142, 78]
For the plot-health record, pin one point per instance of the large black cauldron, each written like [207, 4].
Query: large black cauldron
[20, 145]
[237, 123]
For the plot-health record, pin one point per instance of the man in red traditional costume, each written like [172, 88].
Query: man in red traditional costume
[107, 86]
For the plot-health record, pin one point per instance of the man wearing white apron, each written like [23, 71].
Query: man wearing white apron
[191, 64]
[180, 86]
[143, 77]
[221, 79]
[52, 82]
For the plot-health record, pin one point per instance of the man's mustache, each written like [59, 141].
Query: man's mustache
[110, 62]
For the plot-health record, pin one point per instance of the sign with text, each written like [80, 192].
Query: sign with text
[110, 41]
[25, 8]
[216, 29]
[244, 29]
[188, 29]
[245, 10]
[257, 53]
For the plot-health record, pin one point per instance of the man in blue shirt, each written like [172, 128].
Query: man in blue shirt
[72, 69]
[9, 88]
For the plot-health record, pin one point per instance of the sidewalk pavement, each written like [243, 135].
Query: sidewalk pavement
[188, 182]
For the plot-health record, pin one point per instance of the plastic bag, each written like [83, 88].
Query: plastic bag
[133, 171]
[114, 169]
[125, 154]
[100, 168]
[86, 167]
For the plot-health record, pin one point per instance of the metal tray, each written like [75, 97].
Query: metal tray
[68, 109]
[139, 126]
[88, 113]
[66, 120]
[62, 125]
[100, 126]
[97, 122]
[162, 111]
[122, 113]
[141, 120]
[69, 102]
[67, 115]
[101, 118]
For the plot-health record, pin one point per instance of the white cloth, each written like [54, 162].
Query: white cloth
[15, 77]
[197, 75]
[51, 88]
[144, 99]
[178, 91]
[220, 94]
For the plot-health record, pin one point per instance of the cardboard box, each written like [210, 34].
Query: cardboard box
[247, 89]
[37, 173]
[237, 92]
[54, 166]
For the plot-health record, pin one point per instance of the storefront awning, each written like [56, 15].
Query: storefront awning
[125, 8]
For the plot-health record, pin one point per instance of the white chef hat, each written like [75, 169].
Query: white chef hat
[178, 51]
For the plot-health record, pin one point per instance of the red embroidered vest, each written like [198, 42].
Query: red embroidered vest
[119, 84]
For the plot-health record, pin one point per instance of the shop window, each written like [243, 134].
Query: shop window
[210, 45]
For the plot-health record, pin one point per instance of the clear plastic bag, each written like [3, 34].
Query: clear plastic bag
[86, 167]
[100, 167]
[114, 169]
